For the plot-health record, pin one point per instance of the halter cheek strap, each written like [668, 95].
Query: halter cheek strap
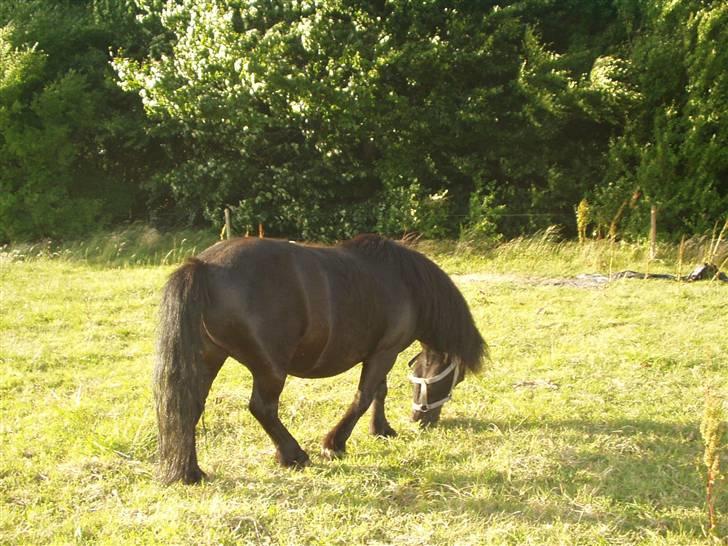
[421, 404]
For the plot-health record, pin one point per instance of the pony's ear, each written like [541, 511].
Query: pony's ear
[449, 358]
[414, 359]
[462, 369]
[453, 359]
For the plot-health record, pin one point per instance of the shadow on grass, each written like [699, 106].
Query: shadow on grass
[645, 472]
[632, 476]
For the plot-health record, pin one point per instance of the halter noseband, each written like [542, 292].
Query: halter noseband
[422, 405]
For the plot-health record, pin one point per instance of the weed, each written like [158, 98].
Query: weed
[582, 219]
[713, 430]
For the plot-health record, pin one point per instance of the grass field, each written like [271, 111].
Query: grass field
[584, 428]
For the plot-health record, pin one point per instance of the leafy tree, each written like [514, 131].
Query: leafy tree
[321, 120]
[673, 147]
[37, 155]
[324, 119]
[70, 140]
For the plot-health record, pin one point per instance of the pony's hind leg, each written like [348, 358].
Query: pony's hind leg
[379, 426]
[267, 387]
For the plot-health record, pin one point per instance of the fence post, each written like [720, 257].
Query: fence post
[227, 223]
[653, 232]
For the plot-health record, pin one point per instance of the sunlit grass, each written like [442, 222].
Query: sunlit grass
[585, 428]
[135, 245]
[547, 255]
[542, 254]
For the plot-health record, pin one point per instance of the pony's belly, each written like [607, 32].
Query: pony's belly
[313, 362]
[320, 372]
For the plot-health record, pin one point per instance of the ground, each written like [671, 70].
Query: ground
[583, 429]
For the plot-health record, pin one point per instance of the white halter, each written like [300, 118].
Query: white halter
[422, 405]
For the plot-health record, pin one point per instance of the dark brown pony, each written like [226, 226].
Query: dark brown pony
[282, 308]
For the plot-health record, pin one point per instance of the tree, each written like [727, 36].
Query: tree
[324, 119]
[673, 147]
[67, 132]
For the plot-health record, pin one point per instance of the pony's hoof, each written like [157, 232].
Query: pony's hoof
[188, 476]
[387, 432]
[300, 464]
[331, 454]
[331, 448]
[297, 462]
[197, 477]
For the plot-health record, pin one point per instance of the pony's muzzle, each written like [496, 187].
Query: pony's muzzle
[426, 418]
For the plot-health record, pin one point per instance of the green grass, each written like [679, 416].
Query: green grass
[583, 430]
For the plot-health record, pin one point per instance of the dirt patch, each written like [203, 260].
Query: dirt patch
[704, 272]
[580, 281]
[489, 278]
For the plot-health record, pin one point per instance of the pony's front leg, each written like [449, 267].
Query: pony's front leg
[374, 372]
[263, 405]
[379, 425]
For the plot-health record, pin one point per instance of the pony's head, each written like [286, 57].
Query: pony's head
[451, 342]
[434, 376]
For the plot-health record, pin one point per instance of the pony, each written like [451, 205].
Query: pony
[282, 308]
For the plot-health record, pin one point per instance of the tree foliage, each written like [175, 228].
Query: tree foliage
[322, 119]
[674, 147]
[328, 118]
[67, 132]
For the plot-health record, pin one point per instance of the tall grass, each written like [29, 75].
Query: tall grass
[547, 254]
[713, 431]
[134, 245]
[544, 254]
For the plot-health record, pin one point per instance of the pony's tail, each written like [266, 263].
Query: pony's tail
[179, 374]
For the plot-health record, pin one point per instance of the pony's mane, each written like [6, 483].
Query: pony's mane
[445, 322]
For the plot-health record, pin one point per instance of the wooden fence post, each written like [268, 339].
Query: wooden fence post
[653, 232]
[227, 223]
